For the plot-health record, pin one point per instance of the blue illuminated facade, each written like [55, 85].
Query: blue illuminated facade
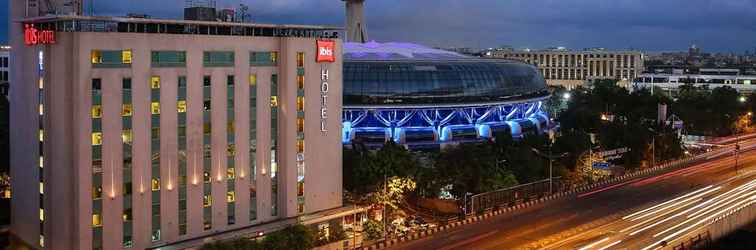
[419, 96]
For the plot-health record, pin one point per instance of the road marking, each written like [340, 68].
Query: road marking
[468, 241]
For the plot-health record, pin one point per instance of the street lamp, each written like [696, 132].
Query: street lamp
[566, 96]
[742, 99]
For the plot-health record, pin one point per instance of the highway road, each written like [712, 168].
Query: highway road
[637, 214]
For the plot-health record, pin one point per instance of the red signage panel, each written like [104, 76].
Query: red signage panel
[33, 36]
[326, 51]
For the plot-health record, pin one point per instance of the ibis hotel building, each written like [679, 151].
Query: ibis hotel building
[137, 133]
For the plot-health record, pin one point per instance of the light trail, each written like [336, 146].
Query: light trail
[662, 204]
[750, 200]
[678, 206]
[593, 244]
[610, 245]
[709, 209]
[679, 202]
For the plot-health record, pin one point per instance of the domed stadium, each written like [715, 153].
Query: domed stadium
[419, 96]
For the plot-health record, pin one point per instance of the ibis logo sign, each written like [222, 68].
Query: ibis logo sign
[33, 36]
[326, 51]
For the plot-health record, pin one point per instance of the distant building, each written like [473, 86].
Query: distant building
[568, 68]
[200, 10]
[4, 70]
[671, 80]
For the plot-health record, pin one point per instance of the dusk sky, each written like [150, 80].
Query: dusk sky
[649, 25]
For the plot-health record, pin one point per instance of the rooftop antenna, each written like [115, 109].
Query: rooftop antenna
[355, 21]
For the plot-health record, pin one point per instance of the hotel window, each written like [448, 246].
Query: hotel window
[218, 58]
[181, 106]
[300, 82]
[127, 110]
[127, 136]
[207, 151]
[126, 56]
[300, 146]
[300, 103]
[111, 58]
[207, 201]
[263, 58]
[96, 111]
[41, 214]
[231, 146]
[182, 154]
[300, 59]
[155, 184]
[168, 59]
[96, 138]
[274, 144]
[300, 125]
[96, 220]
[155, 155]
[253, 145]
[230, 196]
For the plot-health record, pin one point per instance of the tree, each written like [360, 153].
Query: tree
[373, 229]
[364, 169]
[297, 237]
[393, 193]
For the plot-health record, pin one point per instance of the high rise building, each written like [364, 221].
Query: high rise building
[4, 70]
[137, 133]
[573, 68]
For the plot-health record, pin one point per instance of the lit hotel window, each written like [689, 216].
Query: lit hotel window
[41, 135]
[155, 108]
[207, 201]
[127, 136]
[126, 56]
[96, 57]
[41, 214]
[41, 109]
[300, 146]
[274, 101]
[230, 196]
[96, 138]
[181, 106]
[41, 188]
[96, 220]
[300, 124]
[127, 110]
[300, 103]
[96, 111]
[155, 184]
[300, 59]
[252, 80]
[155, 82]
[274, 57]
[300, 82]
[230, 173]
[97, 193]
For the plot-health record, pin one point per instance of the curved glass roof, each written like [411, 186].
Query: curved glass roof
[396, 74]
[395, 51]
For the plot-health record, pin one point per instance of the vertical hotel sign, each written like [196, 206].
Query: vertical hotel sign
[326, 55]
[34, 36]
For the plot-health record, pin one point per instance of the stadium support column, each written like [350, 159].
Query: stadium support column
[355, 12]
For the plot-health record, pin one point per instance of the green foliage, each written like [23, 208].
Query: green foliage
[364, 169]
[708, 112]
[391, 194]
[373, 229]
[297, 237]
[634, 125]
[475, 168]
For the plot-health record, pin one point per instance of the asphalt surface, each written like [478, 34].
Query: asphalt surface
[638, 214]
